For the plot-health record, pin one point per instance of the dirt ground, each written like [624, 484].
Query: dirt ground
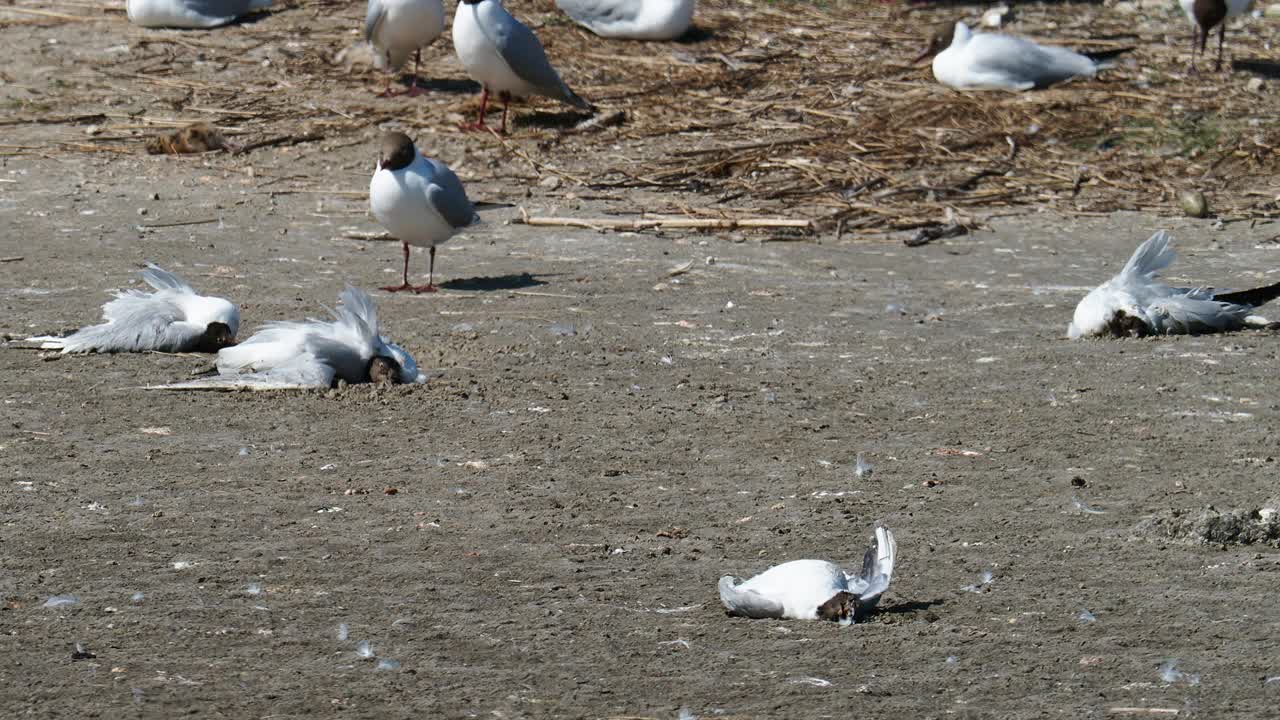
[613, 421]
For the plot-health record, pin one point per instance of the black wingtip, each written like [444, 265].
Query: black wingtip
[1099, 56]
[1253, 298]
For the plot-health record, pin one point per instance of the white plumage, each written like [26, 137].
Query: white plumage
[418, 200]
[1135, 303]
[813, 589]
[632, 19]
[174, 318]
[991, 61]
[190, 13]
[313, 353]
[397, 28]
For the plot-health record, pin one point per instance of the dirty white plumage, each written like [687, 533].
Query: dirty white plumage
[174, 318]
[1136, 303]
[190, 13]
[798, 590]
[311, 354]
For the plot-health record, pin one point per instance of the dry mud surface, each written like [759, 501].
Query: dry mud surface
[613, 422]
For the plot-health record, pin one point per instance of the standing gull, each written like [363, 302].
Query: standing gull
[174, 318]
[190, 13]
[419, 201]
[395, 28]
[814, 589]
[505, 57]
[1205, 15]
[313, 353]
[1134, 303]
[632, 19]
[965, 60]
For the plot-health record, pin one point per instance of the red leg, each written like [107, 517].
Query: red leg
[414, 90]
[484, 103]
[405, 285]
[506, 103]
[431, 271]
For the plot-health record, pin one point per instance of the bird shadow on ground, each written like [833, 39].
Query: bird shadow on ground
[454, 86]
[490, 284]
[696, 34]
[1261, 68]
[550, 120]
[908, 608]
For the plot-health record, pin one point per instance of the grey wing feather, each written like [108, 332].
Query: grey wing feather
[449, 197]
[877, 568]
[225, 8]
[359, 310]
[372, 17]
[747, 603]
[524, 54]
[161, 279]
[1192, 314]
[306, 371]
[137, 322]
[593, 12]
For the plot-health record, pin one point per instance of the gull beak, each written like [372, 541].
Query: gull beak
[928, 52]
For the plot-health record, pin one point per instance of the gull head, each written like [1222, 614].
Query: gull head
[397, 151]
[384, 371]
[939, 40]
[216, 335]
[843, 607]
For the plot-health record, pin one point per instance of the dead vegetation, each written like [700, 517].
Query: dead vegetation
[789, 109]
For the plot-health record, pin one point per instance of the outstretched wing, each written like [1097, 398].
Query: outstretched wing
[877, 568]
[746, 603]
[162, 279]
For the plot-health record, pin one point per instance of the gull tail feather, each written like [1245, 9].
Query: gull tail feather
[574, 99]
[1252, 298]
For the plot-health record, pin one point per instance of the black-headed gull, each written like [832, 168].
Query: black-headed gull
[505, 57]
[814, 589]
[174, 318]
[190, 13]
[1205, 15]
[632, 19]
[313, 354]
[395, 28]
[418, 200]
[1135, 304]
[965, 60]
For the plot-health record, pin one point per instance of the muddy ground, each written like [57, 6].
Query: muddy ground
[613, 421]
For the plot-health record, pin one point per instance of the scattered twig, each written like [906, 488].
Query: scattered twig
[664, 223]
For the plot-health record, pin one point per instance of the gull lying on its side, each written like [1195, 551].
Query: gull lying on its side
[814, 589]
[631, 19]
[190, 13]
[1134, 303]
[990, 61]
[313, 354]
[172, 319]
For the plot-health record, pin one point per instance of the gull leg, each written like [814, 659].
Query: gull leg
[484, 103]
[405, 284]
[414, 90]
[506, 103]
[1222, 34]
[431, 271]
